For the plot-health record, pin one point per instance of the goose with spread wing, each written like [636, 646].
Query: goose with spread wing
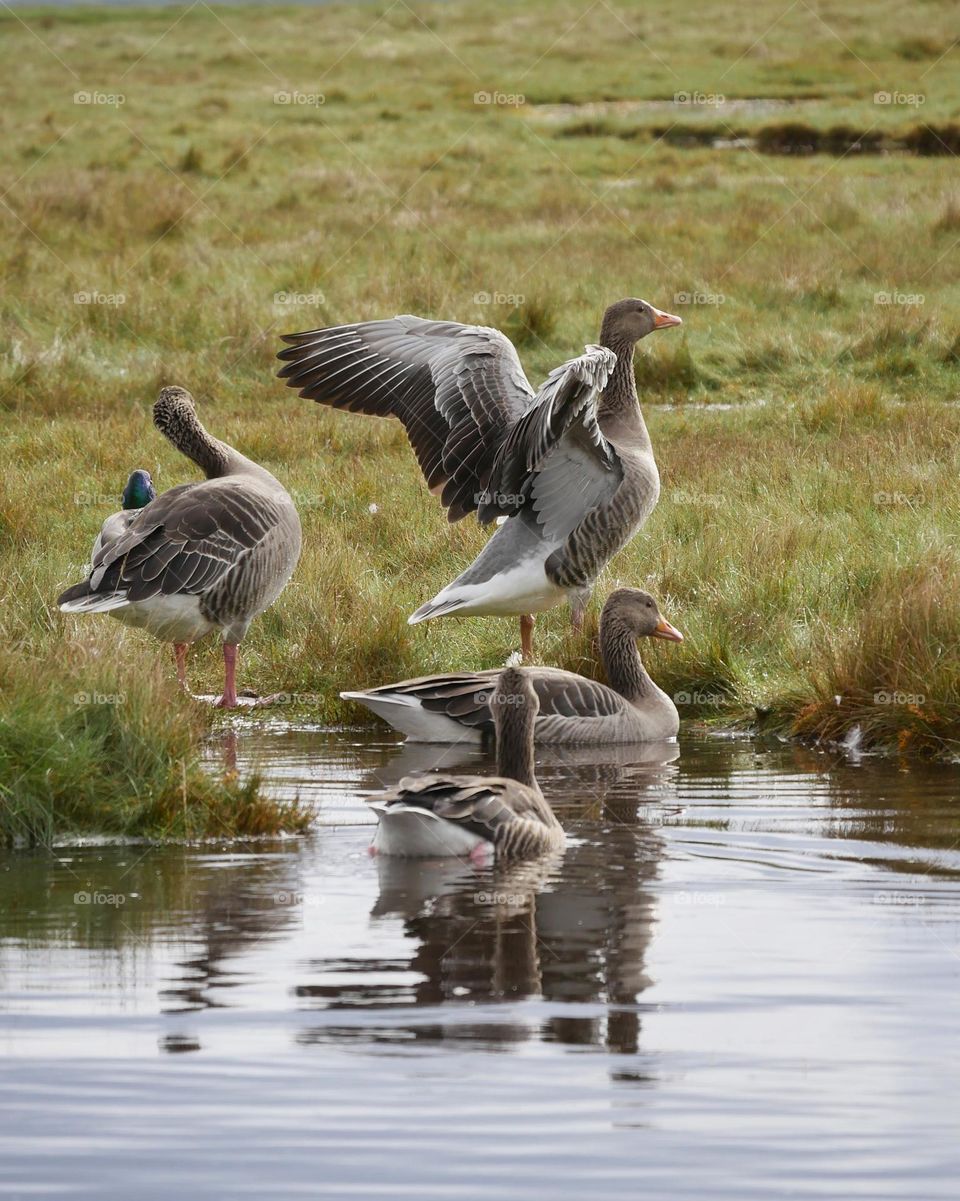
[570, 468]
[507, 814]
[573, 710]
[200, 557]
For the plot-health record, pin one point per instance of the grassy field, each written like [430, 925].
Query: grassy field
[182, 185]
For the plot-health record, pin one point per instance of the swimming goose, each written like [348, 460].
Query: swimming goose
[573, 709]
[200, 557]
[139, 491]
[437, 815]
[570, 468]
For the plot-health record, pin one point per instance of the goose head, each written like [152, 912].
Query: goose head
[173, 408]
[139, 490]
[638, 614]
[627, 321]
[514, 698]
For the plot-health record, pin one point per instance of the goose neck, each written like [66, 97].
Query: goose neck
[515, 753]
[620, 403]
[621, 660]
[181, 426]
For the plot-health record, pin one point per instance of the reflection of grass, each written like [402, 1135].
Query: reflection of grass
[123, 898]
[199, 200]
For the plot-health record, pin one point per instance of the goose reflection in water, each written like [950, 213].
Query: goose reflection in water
[570, 929]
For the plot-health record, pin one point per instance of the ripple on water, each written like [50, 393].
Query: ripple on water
[738, 981]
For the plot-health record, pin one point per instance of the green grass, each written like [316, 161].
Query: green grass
[806, 538]
[101, 741]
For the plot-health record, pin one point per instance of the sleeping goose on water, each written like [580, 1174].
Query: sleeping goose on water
[436, 815]
[139, 492]
[200, 557]
[572, 709]
[570, 468]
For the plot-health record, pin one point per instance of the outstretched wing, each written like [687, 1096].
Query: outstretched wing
[182, 543]
[457, 389]
[556, 461]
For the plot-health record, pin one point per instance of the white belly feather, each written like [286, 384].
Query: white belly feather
[419, 834]
[407, 714]
[171, 618]
[523, 588]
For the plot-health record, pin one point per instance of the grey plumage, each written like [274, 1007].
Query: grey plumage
[572, 462]
[440, 814]
[572, 709]
[457, 389]
[204, 556]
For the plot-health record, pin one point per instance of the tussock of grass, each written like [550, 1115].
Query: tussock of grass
[192, 160]
[894, 672]
[98, 740]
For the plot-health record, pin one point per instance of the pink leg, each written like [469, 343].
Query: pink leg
[180, 656]
[229, 698]
[526, 636]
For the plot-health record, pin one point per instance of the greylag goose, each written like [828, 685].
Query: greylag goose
[139, 491]
[573, 709]
[438, 815]
[200, 557]
[570, 468]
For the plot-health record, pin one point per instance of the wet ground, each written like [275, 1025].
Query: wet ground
[740, 980]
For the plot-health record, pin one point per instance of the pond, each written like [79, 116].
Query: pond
[740, 980]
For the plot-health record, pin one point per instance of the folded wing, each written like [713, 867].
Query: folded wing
[182, 543]
[483, 805]
[464, 696]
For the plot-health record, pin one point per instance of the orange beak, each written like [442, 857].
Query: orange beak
[665, 320]
[666, 630]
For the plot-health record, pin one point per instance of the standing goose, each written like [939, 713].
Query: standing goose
[436, 815]
[570, 467]
[572, 709]
[202, 556]
[137, 494]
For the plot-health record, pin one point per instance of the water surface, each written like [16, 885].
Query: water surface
[740, 981]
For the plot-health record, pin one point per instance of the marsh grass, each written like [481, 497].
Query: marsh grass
[101, 741]
[806, 431]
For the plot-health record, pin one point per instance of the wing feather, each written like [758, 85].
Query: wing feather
[508, 814]
[464, 697]
[457, 389]
[184, 542]
[556, 461]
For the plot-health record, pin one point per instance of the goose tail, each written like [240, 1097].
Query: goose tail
[79, 599]
[408, 716]
[438, 607]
